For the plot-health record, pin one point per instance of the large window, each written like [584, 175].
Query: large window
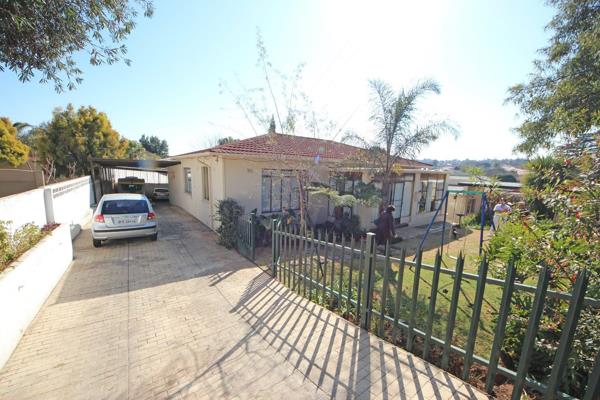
[438, 194]
[187, 180]
[344, 183]
[431, 192]
[280, 190]
[401, 196]
[205, 192]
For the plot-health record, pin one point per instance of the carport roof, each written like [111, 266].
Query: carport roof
[134, 164]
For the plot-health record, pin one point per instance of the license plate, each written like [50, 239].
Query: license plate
[126, 221]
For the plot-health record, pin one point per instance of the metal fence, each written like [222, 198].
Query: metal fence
[246, 236]
[343, 273]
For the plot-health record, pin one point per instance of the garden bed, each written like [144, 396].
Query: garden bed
[27, 282]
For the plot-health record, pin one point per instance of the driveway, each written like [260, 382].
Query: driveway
[185, 318]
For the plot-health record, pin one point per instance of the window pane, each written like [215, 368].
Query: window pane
[286, 192]
[276, 193]
[266, 194]
[295, 195]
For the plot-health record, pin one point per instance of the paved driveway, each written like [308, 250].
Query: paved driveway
[185, 318]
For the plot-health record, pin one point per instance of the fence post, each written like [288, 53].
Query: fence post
[253, 235]
[274, 247]
[532, 329]
[368, 275]
[568, 333]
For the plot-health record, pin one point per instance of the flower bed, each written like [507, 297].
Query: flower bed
[26, 283]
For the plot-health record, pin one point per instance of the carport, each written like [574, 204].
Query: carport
[103, 171]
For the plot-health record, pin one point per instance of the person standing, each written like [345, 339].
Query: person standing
[385, 225]
[501, 210]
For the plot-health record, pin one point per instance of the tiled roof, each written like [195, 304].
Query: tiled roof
[277, 144]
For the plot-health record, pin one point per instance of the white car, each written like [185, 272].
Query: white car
[123, 215]
[160, 194]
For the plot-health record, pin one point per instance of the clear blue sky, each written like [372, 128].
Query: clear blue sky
[474, 49]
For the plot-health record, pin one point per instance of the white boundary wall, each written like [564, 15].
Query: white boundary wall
[67, 202]
[27, 283]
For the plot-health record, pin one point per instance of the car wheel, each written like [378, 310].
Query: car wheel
[154, 237]
[97, 243]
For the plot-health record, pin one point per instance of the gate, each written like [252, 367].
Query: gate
[352, 277]
[246, 236]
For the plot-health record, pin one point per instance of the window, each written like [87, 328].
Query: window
[423, 196]
[431, 192]
[438, 194]
[280, 190]
[205, 193]
[110, 207]
[187, 180]
[344, 183]
[401, 196]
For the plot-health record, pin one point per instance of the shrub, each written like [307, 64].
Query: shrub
[228, 212]
[13, 246]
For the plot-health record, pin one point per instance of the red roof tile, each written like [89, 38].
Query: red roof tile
[294, 146]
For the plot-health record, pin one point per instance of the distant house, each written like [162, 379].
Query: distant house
[468, 204]
[261, 173]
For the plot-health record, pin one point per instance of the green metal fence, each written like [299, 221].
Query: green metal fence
[246, 236]
[343, 273]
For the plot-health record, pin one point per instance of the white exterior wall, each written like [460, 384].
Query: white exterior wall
[70, 203]
[25, 286]
[66, 202]
[24, 208]
[243, 182]
[194, 202]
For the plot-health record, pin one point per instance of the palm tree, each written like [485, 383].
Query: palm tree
[398, 132]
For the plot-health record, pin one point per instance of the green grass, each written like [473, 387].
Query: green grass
[470, 247]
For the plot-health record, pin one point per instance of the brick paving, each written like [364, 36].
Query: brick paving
[185, 318]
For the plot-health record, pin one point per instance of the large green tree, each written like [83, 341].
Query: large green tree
[562, 98]
[12, 150]
[154, 145]
[73, 136]
[39, 38]
[560, 227]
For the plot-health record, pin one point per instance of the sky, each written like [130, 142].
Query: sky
[474, 49]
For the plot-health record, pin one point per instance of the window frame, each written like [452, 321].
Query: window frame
[286, 178]
[187, 180]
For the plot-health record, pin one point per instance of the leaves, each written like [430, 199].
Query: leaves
[12, 150]
[154, 145]
[39, 38]
[562, 98]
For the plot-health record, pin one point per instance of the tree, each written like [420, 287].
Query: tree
[135, 151]
[562, 98]
[12, 150]
[279, 104]
[398, 133]
[40, 37]
[72, 137]
[154, 145]
[560, 229]
[226, 140]
[272, 126]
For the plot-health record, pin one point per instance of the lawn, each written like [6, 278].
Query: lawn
[469, 245]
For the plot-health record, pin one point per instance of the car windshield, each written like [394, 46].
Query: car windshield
[124, 207]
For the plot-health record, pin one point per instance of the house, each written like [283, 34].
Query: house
[262, 173]
[469, 203]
